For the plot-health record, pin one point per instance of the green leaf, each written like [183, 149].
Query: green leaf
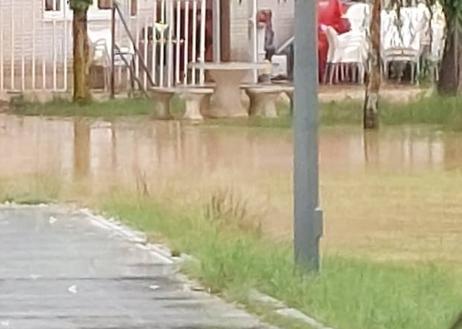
[81, 5]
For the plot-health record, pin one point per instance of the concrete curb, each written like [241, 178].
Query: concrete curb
[282, 309]
[138, 237]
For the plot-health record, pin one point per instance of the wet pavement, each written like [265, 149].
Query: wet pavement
[60, 270]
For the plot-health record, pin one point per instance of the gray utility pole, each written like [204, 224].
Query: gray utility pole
[308, 215]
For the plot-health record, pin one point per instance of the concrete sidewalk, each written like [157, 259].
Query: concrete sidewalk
[60, 270]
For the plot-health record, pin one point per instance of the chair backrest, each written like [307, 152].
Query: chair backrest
[358, 16]
[389, 30]
[332, 39]
[97, 35]
[438, 41]
[100, 43]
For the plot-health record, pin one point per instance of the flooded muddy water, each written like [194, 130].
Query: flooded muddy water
[379, 190]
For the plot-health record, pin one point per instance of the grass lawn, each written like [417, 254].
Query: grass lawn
[350, 293]
[353, 291]
[104, 109]
[392, 253]
[445, 112]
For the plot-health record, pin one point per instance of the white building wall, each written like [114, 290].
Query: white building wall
[241, 30]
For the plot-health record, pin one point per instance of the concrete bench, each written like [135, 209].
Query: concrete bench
[196, 101]
[161, 97]
[263, 98]
[195, 97]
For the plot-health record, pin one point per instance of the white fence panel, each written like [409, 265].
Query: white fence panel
[36, 44]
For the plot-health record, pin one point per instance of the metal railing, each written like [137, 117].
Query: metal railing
[37, 55]
[115, 50]
[168, 40]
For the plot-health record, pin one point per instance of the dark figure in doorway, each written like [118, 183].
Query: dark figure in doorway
[265, 17]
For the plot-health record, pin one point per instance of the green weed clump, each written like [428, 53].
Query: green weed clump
[105, 109]
[445, 112]
[349, 293]
[30, 189]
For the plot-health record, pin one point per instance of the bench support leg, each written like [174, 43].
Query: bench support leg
[263, 104]
[193, 106]
[205, 105]
[162, 105]
[290, 94]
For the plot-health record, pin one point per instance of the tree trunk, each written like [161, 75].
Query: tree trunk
[458, 323]
[81, 57]
[450, 71]
[81, 148]
[373, 81]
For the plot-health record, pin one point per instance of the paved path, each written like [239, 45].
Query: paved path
[59, 270]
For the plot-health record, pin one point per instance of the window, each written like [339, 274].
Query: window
[59, 10]
[133, 7]
[52, 5]
[104, 4]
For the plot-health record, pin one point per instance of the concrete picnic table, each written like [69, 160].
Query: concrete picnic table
[228, 76]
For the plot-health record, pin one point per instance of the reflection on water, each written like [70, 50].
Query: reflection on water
[100, 149]
[402, 214]
[82, 144]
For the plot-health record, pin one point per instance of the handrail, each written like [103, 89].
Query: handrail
[130, 67]
[116, 9]
[285, 45]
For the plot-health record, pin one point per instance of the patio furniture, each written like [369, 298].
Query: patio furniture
[347, 49]
[195, 97]
[226, 98]
[402, 43]
[358, 16]
[161, 97]
[263, 99]
[194, 100]
[436, 49]
[101, 44]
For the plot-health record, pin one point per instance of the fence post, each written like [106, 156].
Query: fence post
[216, 31]
[203, 36]
[113, 31]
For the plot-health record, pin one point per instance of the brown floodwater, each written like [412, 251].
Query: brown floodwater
[379, 190]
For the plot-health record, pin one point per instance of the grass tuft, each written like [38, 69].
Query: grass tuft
[445, 112]
[349, 293]
[105, 109]
[34, 189]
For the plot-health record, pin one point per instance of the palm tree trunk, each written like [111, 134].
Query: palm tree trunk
[371, 102]
[81, 57]
[450, 72]
[458, 323]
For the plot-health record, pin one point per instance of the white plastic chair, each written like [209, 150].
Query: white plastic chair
[346, 49]
[101, 44]
[402, 44]
[435, 56]
[358, 16]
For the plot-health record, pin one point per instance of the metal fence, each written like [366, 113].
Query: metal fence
[36, 42]
[33, 48]
[172, 38]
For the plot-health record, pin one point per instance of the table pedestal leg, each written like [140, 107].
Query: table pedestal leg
[226, 100]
